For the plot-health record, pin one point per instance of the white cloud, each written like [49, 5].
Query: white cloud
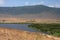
[42, 2]
[56, 5]
[39, 3]
[26, 3]
[1, 2]
[51, 5]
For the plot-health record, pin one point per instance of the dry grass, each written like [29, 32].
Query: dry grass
[12, 34]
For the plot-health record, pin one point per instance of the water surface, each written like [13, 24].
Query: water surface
[18, 27]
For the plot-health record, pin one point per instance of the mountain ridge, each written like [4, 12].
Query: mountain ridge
[36, 11]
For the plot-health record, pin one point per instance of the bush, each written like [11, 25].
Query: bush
[52, 29]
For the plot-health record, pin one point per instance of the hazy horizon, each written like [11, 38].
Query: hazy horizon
[14, 3]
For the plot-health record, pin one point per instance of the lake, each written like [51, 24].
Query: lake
[18, 27]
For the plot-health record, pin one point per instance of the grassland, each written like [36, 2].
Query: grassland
[51, 29]
[12, 34]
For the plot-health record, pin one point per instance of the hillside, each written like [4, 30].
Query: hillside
[12, 34]
[40, 10]
[37, 12]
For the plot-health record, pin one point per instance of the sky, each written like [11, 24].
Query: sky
[11, 3]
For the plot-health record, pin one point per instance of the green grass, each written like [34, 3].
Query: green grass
[51, 29]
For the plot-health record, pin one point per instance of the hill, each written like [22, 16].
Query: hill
[30, 12]
[37, 9]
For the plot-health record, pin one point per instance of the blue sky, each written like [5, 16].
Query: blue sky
[51, 3]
